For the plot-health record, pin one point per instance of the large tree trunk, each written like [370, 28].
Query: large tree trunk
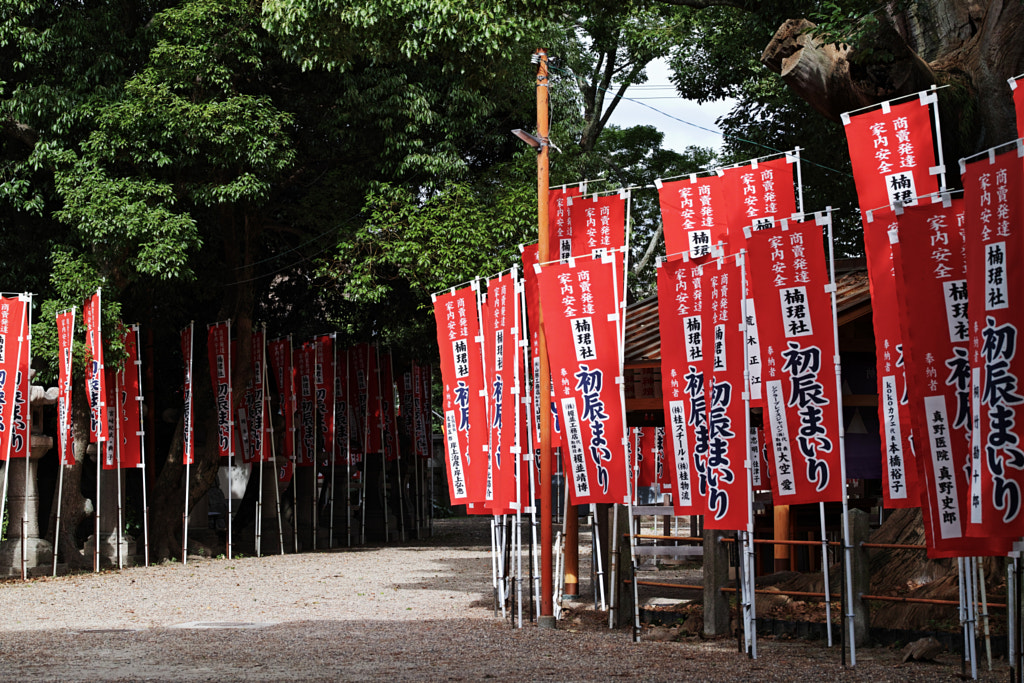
[74, 507]
[973, 47]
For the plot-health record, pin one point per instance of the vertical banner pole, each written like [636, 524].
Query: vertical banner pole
[99, 442]
[292, 408]
[231, 441]
[799, 184]
[334, 446]
[141, 436]
[117, 472]
[399, 485]
[383, 454]
[62, 439]
[1011, 626]
[826, 218]
[517, 378]
[273, 447]
[348, 452]
[748, 551]
[28, 439]
[188, 464]
[962, 612]
[825, 576]
[596, 555]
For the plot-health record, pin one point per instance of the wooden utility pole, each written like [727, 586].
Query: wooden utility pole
[547, 609]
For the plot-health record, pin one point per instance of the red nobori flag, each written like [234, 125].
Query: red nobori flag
[728, 497]
[642, 455]
[129, 402]
[693, 213]
[994, 213]
[305, 357]
[279, 352]
[465, 412]
[94, 378]
[324, 384]
[559, 226]
[65, 346]
[798, 354]
[358, 365]
[1016, 84]
[531, 292]
[931, 273]
[892, 153]
[599, 222]
[258, 414]
[759, 475]
[218, 348]
[899, 468]
[342, 408]
[13, 377]
[421, 409]
[188, 454]
[583, 344]
[758, 193]
[111, 453]
[664, 473]
[501, 341]
[680, 298]
[388, 425]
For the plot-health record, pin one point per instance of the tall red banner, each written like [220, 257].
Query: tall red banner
[583, 344]
[259, 412]
[795, 324]
[531, 292]
[1018, 102]
[693, 213]
[95, 381]
[929, 254]
[892, 153]
[358, 366]
[465, 411]
[994, 212]
[680, 299]
[389, 427]
[899, 467]
[305, 358]
[341, 406]
[65, 352]
[758, 193]
[188, 452]
[728, 500]
[110, 447]
[559, 227]
[597, 223]
[324, 384]
[14, 365]
[129, 402]
[218, 349]
[501, 341]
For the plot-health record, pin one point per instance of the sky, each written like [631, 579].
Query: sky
[658, 93]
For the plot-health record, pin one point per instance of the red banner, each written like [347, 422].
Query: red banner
[892, 153]
[694, 214]
[258, 414]
[798, 354]
[465, 411]
[559, 227]
[20, 436]
[1018, 102]
[931, 276]
[94, 380]
[280, 356]
[388, 426]
[305, 358]
[532, 294]
[899, 467]
[421, 409]
[758, 193]
[65, 351]
[728, 500]
[129, 402]
[324, 385]
[994, 211]
[642, 456]
[583, 344]
[680, 297]
[501, 341]
[358, 365]
[218, 349]
[188, 452]
[110, 450]
[597, 223]
[342, 408]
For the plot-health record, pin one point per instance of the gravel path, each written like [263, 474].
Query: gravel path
[414, 611]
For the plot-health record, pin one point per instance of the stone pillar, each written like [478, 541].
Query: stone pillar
[716, 575]
[23, 513]
[861, 575]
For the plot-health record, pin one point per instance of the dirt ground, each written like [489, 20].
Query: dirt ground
[419, 610]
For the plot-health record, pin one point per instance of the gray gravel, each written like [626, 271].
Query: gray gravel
[413, 611]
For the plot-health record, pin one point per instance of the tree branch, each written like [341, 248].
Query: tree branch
[651, 246]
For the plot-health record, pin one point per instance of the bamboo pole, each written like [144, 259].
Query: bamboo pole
[141, 435]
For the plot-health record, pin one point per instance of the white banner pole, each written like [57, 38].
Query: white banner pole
[28, 440]
[383, 454]
[348, 452]
[188, 464]
[62, 439]
[141, 436]
[231, 441]
[273, 447]
[825, 575]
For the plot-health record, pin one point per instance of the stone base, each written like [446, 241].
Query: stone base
[108, 548]
[39, 553]
[33, 572]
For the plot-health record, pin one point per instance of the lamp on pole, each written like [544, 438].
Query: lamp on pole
[540, 142]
